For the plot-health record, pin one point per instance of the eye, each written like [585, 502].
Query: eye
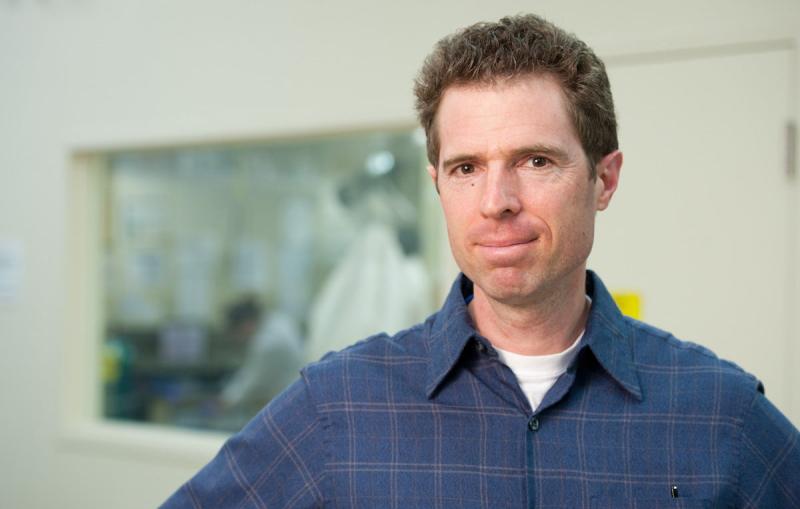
[538, 162]
[465, 169]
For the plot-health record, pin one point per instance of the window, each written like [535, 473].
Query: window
[228, 267]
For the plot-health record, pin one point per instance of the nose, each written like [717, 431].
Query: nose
[501, 194]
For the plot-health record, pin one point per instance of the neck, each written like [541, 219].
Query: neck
[546, 325]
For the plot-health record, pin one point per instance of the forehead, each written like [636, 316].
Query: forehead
[507, 115]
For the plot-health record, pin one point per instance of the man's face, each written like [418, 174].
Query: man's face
[514, 185]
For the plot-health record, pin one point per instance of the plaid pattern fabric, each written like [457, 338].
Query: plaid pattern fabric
[429, 418]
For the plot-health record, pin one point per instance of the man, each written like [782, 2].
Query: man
[274, 356]
[528, 388]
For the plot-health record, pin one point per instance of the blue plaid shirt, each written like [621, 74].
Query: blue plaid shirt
[430, 418]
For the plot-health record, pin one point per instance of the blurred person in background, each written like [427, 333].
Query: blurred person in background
[273, 358]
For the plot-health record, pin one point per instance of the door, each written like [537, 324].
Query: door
[701, 225]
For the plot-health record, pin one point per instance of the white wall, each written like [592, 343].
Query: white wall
[85, 73]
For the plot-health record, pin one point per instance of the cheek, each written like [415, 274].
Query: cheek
[568, 220]
[451, 216]
[456, 207]
[449, 211]
[583, 222]
[457, 231]
[458, 222]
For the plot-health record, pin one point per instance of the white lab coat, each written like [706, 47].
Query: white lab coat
[374, 288]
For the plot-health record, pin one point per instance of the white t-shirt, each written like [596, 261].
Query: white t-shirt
[536, 374]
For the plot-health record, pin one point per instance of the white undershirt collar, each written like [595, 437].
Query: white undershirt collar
[536, 374]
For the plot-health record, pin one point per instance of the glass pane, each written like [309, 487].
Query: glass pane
[230, 267]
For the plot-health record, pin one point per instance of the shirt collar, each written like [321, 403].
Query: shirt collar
[451, 331]
[607, 335]
[610, 337]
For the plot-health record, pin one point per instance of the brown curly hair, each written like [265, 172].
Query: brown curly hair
[513, 47]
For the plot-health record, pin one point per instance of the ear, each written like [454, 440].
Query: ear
[607, 178]
[433, 173]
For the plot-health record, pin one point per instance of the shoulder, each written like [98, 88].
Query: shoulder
[700, 389]
[690, 371]
[274, 461]
[657, 348]
[369, 369]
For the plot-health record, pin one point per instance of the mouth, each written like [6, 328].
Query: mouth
[505, 251]
[505, 243]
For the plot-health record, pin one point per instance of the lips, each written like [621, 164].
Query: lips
[507, 251]
[505, 242]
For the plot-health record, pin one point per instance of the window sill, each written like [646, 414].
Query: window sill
[143, 442]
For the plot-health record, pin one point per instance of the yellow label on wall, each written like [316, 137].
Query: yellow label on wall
[630, 303]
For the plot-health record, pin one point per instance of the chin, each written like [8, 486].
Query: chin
[507, 285]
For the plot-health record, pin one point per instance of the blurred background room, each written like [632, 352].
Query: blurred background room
[198, 198]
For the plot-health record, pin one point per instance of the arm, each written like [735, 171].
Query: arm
[769, 465]
[277, 460]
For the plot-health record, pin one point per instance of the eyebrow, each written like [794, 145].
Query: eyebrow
[547, 150]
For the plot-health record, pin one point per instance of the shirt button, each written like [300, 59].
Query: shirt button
[533, 424]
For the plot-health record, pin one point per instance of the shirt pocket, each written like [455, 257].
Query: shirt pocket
[649, 503]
